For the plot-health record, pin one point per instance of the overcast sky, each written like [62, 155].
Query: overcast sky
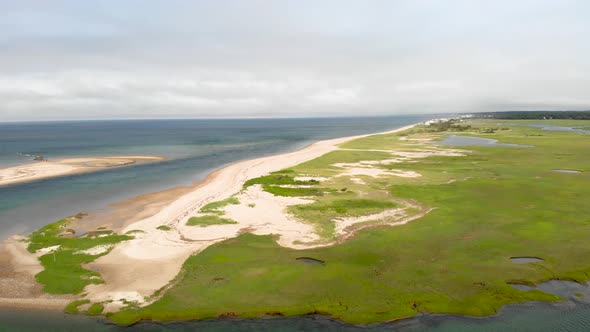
[149, 59]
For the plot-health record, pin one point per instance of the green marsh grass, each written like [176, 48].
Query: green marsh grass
[208, 220]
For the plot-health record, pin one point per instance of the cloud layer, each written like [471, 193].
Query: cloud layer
[146, 59]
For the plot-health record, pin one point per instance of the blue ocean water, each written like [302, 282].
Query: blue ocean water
[193, 148]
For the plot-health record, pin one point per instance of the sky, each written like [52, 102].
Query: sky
[219, 58]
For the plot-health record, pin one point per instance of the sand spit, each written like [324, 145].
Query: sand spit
[135, 269]
[139, 267]
[49, 169]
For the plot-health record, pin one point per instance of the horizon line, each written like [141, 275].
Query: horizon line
[278, 117]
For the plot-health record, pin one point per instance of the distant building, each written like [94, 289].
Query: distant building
[435, 121]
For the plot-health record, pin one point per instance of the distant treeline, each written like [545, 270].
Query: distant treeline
[572, 115]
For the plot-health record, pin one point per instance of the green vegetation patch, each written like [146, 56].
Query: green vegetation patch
[278, 178]
[364, 280]
[164, 227]
[63, 272]
[293, 192]
[488, 206]
[208, 220]
[323, 212]
[215, 207]
[95, 309]
[276, 183]
[72, 307]
[324, 165]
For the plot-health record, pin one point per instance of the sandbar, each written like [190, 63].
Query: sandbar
[49, 169]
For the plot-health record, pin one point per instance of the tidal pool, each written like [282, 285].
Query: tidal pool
[310, 260]
[476, 141]
[563, 288]
[560, 128]
[525, 259]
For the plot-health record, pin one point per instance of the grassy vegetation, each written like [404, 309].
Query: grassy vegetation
[164, 227]
[95, 309]
[212, 213]
[456, 259]
[286, 177]
[72, 307]
[291, 192]
[323, 166]
[63, 272]
[215, 207]
[208, 220]
[322, 212]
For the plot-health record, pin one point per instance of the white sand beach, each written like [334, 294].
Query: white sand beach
[48, 169]
[135, 269]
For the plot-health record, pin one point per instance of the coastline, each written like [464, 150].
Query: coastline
[137, 268]
[148, 204]
[213, 175]
[18, 287]
[164, 209]
[45, 169]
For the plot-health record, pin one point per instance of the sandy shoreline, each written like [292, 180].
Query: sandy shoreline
[49, 169]
[135, 269]
[18, 288]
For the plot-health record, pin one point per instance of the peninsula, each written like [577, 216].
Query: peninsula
[365, 229]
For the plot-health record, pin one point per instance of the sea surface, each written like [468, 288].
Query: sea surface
[194, 148]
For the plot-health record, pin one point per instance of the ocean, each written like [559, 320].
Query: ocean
[194, 148]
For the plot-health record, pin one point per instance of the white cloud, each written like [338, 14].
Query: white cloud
[203, 59]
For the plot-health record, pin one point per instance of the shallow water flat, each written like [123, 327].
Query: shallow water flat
[560, 128]
[455, 140]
